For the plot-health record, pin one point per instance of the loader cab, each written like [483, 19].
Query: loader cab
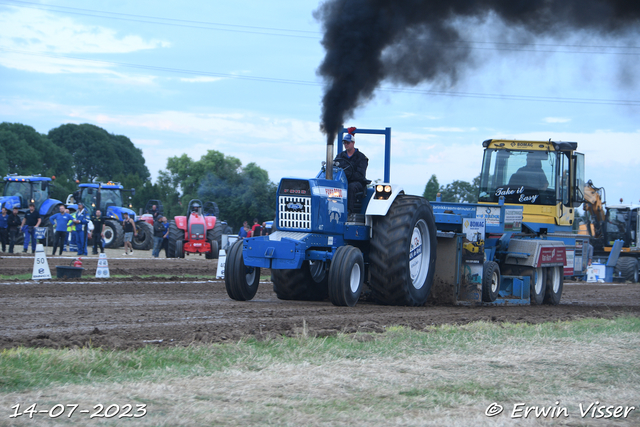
[545, 177]
[621, 223]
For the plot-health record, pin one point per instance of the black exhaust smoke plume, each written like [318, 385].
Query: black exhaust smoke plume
[368, 41]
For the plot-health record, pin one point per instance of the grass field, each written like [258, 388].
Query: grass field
[447, 375]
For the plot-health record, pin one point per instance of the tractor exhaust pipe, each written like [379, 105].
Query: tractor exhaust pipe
[329, 166]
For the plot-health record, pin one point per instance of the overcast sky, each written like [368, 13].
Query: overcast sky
[240, 77]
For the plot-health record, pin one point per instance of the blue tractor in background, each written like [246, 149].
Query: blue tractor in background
[20, 190]
[107, 196]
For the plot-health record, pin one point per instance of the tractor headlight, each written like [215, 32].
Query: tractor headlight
[383, 192]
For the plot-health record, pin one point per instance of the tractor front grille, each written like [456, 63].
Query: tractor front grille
[294, 212]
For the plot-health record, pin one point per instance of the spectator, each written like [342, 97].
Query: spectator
[265, 230]
[159, 232]
[13, 223]
[4, 228]
[81, 220]
[129, 227]
[256, 230]
[154, 212]
[30, 221]
[165, 237]
[242, 234]
[98, 232]
[61, 221]
[71, 241]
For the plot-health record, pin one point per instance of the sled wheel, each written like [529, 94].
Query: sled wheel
[490, 281]
[555, 279]
[538, 285]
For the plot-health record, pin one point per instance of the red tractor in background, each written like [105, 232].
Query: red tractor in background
[147, 216]
[195, 234]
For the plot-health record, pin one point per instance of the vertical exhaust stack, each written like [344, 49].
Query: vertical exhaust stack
[329, 166]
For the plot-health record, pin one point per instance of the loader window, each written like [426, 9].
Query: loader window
[522, 177]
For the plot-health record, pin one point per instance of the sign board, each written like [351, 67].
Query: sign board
[103, 267]
[40, 265]
[222, 261]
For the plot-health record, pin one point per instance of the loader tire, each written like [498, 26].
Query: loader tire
[403, 253]
[113, 234]
[240, 281]
[174, 245]
[308, 283]
[490, 281]
[555, 283]
[346, 276]
[627, 269]
[538, 285]
[144, 240]
[215, 235]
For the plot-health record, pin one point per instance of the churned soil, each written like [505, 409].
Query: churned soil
[168, 302]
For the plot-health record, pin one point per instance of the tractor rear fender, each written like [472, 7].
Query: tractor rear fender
[181, 222]
[211, 222]
[117, 211]
[381, 202]
[49, 207]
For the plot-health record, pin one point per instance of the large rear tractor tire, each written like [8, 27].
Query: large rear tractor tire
[346, 276]
[240, 281]
[627, 269]
[490, 281]
[113, 234]
[403, 252]
[215, 235]
[144, 240]
[308, 283]
[538, 285]
[174, 245]
[555, 283]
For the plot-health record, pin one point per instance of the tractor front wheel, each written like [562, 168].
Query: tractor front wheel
[213, 253]
[346, 276]
[174, 245]
[144, 240]
[240, 281]
[113, 234]
[215, 235]
[403, 252]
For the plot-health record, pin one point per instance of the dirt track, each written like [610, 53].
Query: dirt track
[133, 311]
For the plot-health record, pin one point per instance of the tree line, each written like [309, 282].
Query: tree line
[457, 191]
[87, 153]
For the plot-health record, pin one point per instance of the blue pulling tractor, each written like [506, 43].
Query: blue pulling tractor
[19, 191]
[320, 250]
[499, 251]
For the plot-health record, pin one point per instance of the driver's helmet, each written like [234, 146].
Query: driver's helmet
[195, 207]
